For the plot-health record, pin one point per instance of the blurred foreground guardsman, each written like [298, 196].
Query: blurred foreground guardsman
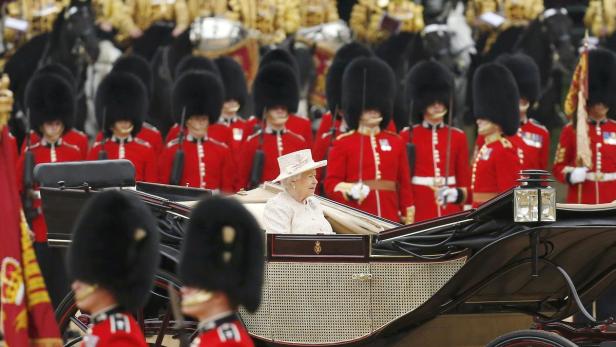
[586, 153]
[112, 261]
[496, 165]
[368, 166]
[121, 106]
[51, 104]
[276, 95]
[441, 174]
[203, 162]
[221, 267]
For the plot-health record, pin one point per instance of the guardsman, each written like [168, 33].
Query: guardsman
[368, 166]
[597, 183]
[295, 123]
[221, 268]
[316, 12]
[373, 20]
[207, 163]
[272, 19]
[600, 17]
[532, 138]
[121, 106]
[496, 104]
[328, 129]
[72, 135]
[276, 95]
[236, 95]
[112, 261]
[138, 66]
[51, 102]
[441, 173]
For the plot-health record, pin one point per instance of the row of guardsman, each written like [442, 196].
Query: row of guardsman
[402, 173]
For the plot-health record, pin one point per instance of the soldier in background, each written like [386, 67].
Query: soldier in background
[276, 95]
[496, 100]
[441, 175]
[112, 261]
[236, 97]
[600, 17]
[597, 183]
[272, 19]
[221, 268]
[121, 106]
[208, 163]
[368, 166]
[373, 21]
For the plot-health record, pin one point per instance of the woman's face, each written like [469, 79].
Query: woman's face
[306, 184]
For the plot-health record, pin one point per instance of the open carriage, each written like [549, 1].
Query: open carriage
[376, 282]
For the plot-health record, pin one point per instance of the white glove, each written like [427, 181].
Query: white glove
[578, 175]
[446, 195]
[359, 192]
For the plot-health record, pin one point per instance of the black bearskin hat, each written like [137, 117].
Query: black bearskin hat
[50, 97]
[121, 96]
[281, 56]
[195, 62]
[199, 93]
[379, 93]
[115, 246]
[60, 70]
[526, 74]
[233, 79]
[223, 250]
[428, 82]
[333, 80]
[138, 66]
[601, 77]
[275, 85]
[496, 97]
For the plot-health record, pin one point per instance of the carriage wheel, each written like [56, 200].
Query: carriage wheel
[531, 338]
[156, 319]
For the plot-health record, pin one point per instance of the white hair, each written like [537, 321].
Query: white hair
[289, 182]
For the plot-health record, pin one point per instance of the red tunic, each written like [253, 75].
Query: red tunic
[114, 329]
[496, 168]
[274, 145]
[72, 136]
[218, 132]
[225, 332]
[148, 133]
[533, 142]
[45, 152]
[207, 164]
[296, 124]
[430, 168]
[600, 183]
[384, 163]
[326, 125]
[12, 144]
[139, 152]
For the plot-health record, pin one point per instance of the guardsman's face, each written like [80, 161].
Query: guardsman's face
[195, 301]
[230, 107]
[122, 128]
[598, 111]
[436, 111]
[197, 125]
[91, 298]
[524, 105]
[370, 118]
[486, 127]
[277, 116]
[52, 130]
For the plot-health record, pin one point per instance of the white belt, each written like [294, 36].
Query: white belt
[432, 181]
[601, 176]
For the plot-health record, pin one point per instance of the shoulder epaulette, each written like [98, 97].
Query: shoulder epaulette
[79, 132]
[142, 142]
[70, 145]
[457, 130]
[537, 124]
[119, 322]
[391, 133]
[33, 146]
[173, 142]
[343, 135]
[300, 137]
[326, 135]
[216, 142]
[250, 137]
[149, 126]
[505, 142]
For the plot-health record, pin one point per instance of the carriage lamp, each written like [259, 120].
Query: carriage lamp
[534, 201]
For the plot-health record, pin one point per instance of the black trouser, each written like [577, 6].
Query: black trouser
[51, 261]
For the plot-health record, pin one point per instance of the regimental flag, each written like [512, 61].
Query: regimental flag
[26, 313]
[575, 108]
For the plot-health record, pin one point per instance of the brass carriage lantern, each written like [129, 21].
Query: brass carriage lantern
[534, 201]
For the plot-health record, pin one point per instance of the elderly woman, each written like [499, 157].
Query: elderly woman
[295, 210]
